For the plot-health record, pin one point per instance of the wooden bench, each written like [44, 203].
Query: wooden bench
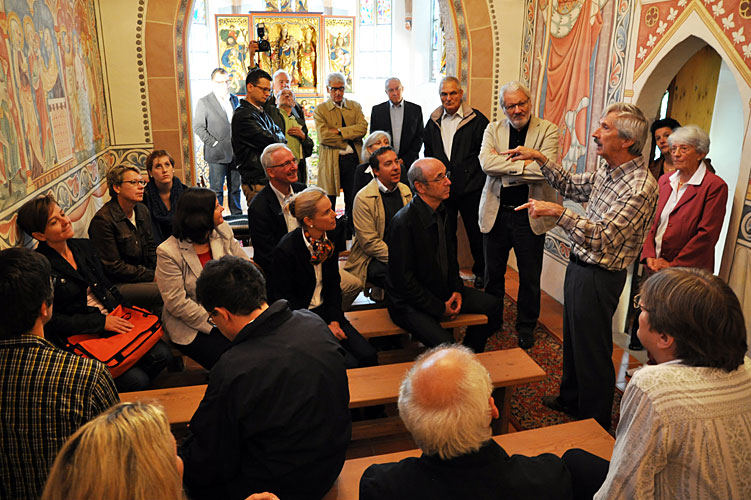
[377, 322]
[556, 439]
[370, 386]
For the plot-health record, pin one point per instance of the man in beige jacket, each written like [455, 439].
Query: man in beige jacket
[375, 205]
[341, 127]
[510, 184]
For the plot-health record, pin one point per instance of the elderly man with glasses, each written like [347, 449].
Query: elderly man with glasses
[423, 284]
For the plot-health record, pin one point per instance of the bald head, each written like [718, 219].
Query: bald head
[445, 402]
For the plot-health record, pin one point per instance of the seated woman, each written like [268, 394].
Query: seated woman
[161, 193]
[127, 453]
[83, 294]
[306, 271]
[121, 234]
[363, 172]
[685, 427]
[199, 234]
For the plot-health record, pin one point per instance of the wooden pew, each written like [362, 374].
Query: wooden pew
[370, 386]
[584, 434]
[377, 323]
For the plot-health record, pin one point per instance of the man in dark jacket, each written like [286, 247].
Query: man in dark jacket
[253, 130]
[403, 120]
[453, 134]
[459, 460]
[212, 124]
[267, 221]
[423, 283]
[275, 414]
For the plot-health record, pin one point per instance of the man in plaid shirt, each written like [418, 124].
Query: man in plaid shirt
[621, 197]
[46, 394]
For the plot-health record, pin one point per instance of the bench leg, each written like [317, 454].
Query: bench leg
[502, 398]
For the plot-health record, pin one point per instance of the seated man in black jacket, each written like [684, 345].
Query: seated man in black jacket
[267, 221]
[423, 283]
[446, 405]
[275, 414]
[253, 130]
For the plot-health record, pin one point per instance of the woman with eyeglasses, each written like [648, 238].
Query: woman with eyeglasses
[83, 295]
[121, 234]
[306, 271]
[199, 234]
[161, 193]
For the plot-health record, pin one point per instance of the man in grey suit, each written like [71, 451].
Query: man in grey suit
[510, 184]
[212, 124]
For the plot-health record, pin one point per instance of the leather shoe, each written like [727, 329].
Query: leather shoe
[526, 340]
[554, 404]
[479, 282]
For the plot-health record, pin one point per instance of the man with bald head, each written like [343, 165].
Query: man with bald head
[446, 404]
[423, 284]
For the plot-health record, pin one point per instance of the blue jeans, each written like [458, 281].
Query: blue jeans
[140, 375]
[217, 173]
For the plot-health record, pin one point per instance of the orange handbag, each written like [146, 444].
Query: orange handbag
[121, 351]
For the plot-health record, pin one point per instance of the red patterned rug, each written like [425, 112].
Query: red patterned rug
[527, 410]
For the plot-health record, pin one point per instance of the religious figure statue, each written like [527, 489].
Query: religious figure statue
[307, 59]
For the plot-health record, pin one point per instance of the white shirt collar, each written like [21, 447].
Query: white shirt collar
[459, 113]
[382, 188]
[694, 180]
[398, 105]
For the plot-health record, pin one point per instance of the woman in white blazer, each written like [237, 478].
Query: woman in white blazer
[199, 234]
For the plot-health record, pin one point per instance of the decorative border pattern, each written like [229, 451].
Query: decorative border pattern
[495, 111]
[557, 247]
[460, 21]
[528, 41]
[182, 90]
[141, 63]
[618, 64]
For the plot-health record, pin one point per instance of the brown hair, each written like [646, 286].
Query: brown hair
[156, 154]
[33, 215]
[702, 314]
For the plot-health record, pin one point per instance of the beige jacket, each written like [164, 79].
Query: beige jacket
[328, 116]
[542, 135]
[177, 271]
[369, 218]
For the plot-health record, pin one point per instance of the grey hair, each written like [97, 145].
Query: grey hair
[415, 174]
[460, 426]
[513, 87]
[276, 96]
[693, 135]
[335, 77]
[303, 204]
[631, 124]
[447, 79]
[369, 140]
[389, 80]
[279, 72]
[268, 151]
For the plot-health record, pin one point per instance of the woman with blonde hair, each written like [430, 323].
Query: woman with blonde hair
[126, 453]
[306, 271]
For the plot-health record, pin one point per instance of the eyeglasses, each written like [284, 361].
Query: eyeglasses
[265, 90]
[135, 182]
[212, 313]
[441, 177]
[287, 163]
[682, 149]
[637, 303]
[336, 89]
[511, 107]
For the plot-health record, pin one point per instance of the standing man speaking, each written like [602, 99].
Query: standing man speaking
[621, 196]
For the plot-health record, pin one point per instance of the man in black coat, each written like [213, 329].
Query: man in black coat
[253, 130]
[460, 460]
[212, 124]
[402, 120]
[423, 283]
[453, 134]
[275, 415]
[266, 218]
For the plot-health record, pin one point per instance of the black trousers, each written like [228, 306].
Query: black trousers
[377, 273]
[468, 205]
[358, 351]
[590, 295]
[347, 166]
[427, 329]
[512, 230]
[588, 472]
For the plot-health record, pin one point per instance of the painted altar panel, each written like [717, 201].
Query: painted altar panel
[232, 45]
[295, 42]
[339, 37]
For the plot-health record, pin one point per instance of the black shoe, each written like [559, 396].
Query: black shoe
[526, 340]
[635, 347]
[479, 282]
[554, 404]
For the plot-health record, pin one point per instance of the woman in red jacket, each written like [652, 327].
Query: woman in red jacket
[690, 209]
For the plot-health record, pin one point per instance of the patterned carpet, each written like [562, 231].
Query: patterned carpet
[527, 410]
